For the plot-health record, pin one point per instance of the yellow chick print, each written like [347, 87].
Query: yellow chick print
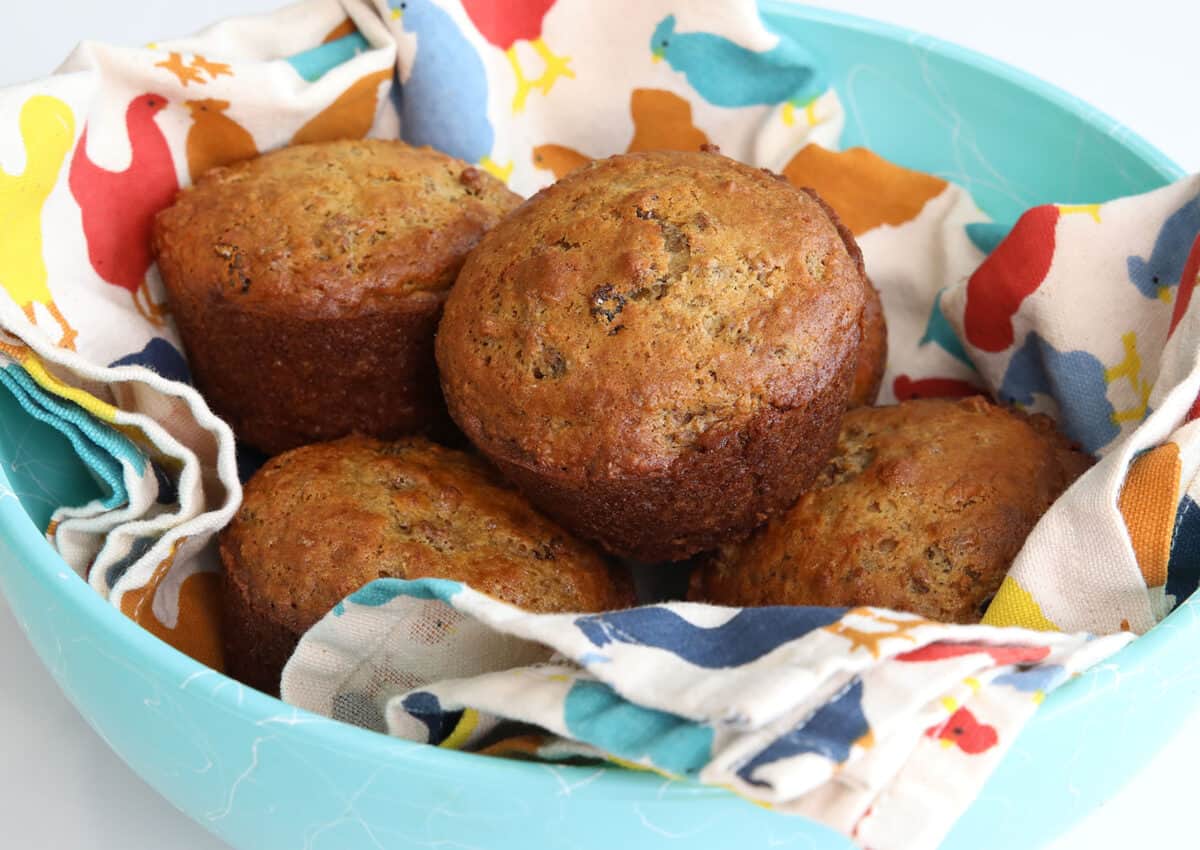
[48, 133]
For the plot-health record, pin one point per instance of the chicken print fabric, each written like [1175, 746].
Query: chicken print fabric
[879, 725]
[87, 159]
[813, 711]
[1122, 379]
[518, 89]
[47, 128]
[92, 154]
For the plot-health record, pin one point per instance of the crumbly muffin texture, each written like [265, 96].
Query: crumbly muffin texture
[922, 508]
[307, 285]
[647, 301]
[872, 354]
[319, 522]
[657, 348]
[323, 229]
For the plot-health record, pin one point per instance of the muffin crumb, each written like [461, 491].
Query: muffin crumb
[922, 508]
[319, 522]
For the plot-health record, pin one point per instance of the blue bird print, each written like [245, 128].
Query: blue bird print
[727, 74]
[830, 732]
[1154, 276]
[595, 713]
[940, 332]
[1183, 568]
[159, 356]
[425, 707]
[986, 235]
[444, 102]
[139, 547]
[748, 635]
[1042, 677]
[168, 491]
[383, 590]
[314, 63]
[1074, 379]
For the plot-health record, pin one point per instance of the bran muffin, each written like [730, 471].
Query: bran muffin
[319, 522]
[657, 349]
[307, 285]
[872, 354]
[923, 508]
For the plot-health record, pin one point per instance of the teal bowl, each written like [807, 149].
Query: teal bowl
[265, 776]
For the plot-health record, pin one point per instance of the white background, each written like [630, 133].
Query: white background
[60, 786]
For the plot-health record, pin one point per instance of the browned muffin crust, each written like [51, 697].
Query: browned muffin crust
[872, 354]
[307, 285]
[319, 522]
[923, 508]
[657, 349]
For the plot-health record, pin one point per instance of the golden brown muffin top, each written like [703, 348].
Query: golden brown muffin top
[319, 522]
[923, 508]
[644, 306]
[330, 228]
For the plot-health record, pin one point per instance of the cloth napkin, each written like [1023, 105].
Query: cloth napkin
[1082, 311]
[1086, 313]
[880, 724]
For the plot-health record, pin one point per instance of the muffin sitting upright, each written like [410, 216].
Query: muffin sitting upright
[657, 349]
[319, 522]
[307, 285]
[923, 508]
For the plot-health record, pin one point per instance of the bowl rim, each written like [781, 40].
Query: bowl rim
[1086, 112]
[35, 553]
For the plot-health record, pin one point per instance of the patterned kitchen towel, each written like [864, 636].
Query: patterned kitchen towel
[524, 90]
[1086, 312]
[880, 724]
[166, 487]
[88, 156]
[914, 232]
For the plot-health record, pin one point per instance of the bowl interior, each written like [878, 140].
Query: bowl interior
[1013, 142]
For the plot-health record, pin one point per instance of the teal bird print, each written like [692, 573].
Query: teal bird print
[727, 74]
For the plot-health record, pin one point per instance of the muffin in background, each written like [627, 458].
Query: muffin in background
[319, 522]
[872, 354]
[657, 349]
[307, 285]
[922, 508]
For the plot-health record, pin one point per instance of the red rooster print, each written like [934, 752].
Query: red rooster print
[118, 207]
[504, 24]
[1001, 654]
[1011, 273]
[963, 729]
[1187, 284]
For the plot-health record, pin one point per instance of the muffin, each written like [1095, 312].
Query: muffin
[923, 508]
[872, 354]
[307, 285]
[319, 522]
[657, 349]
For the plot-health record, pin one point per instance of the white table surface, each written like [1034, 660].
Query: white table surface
[61, 788]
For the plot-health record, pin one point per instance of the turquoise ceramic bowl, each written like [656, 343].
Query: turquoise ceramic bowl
[264, 776]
